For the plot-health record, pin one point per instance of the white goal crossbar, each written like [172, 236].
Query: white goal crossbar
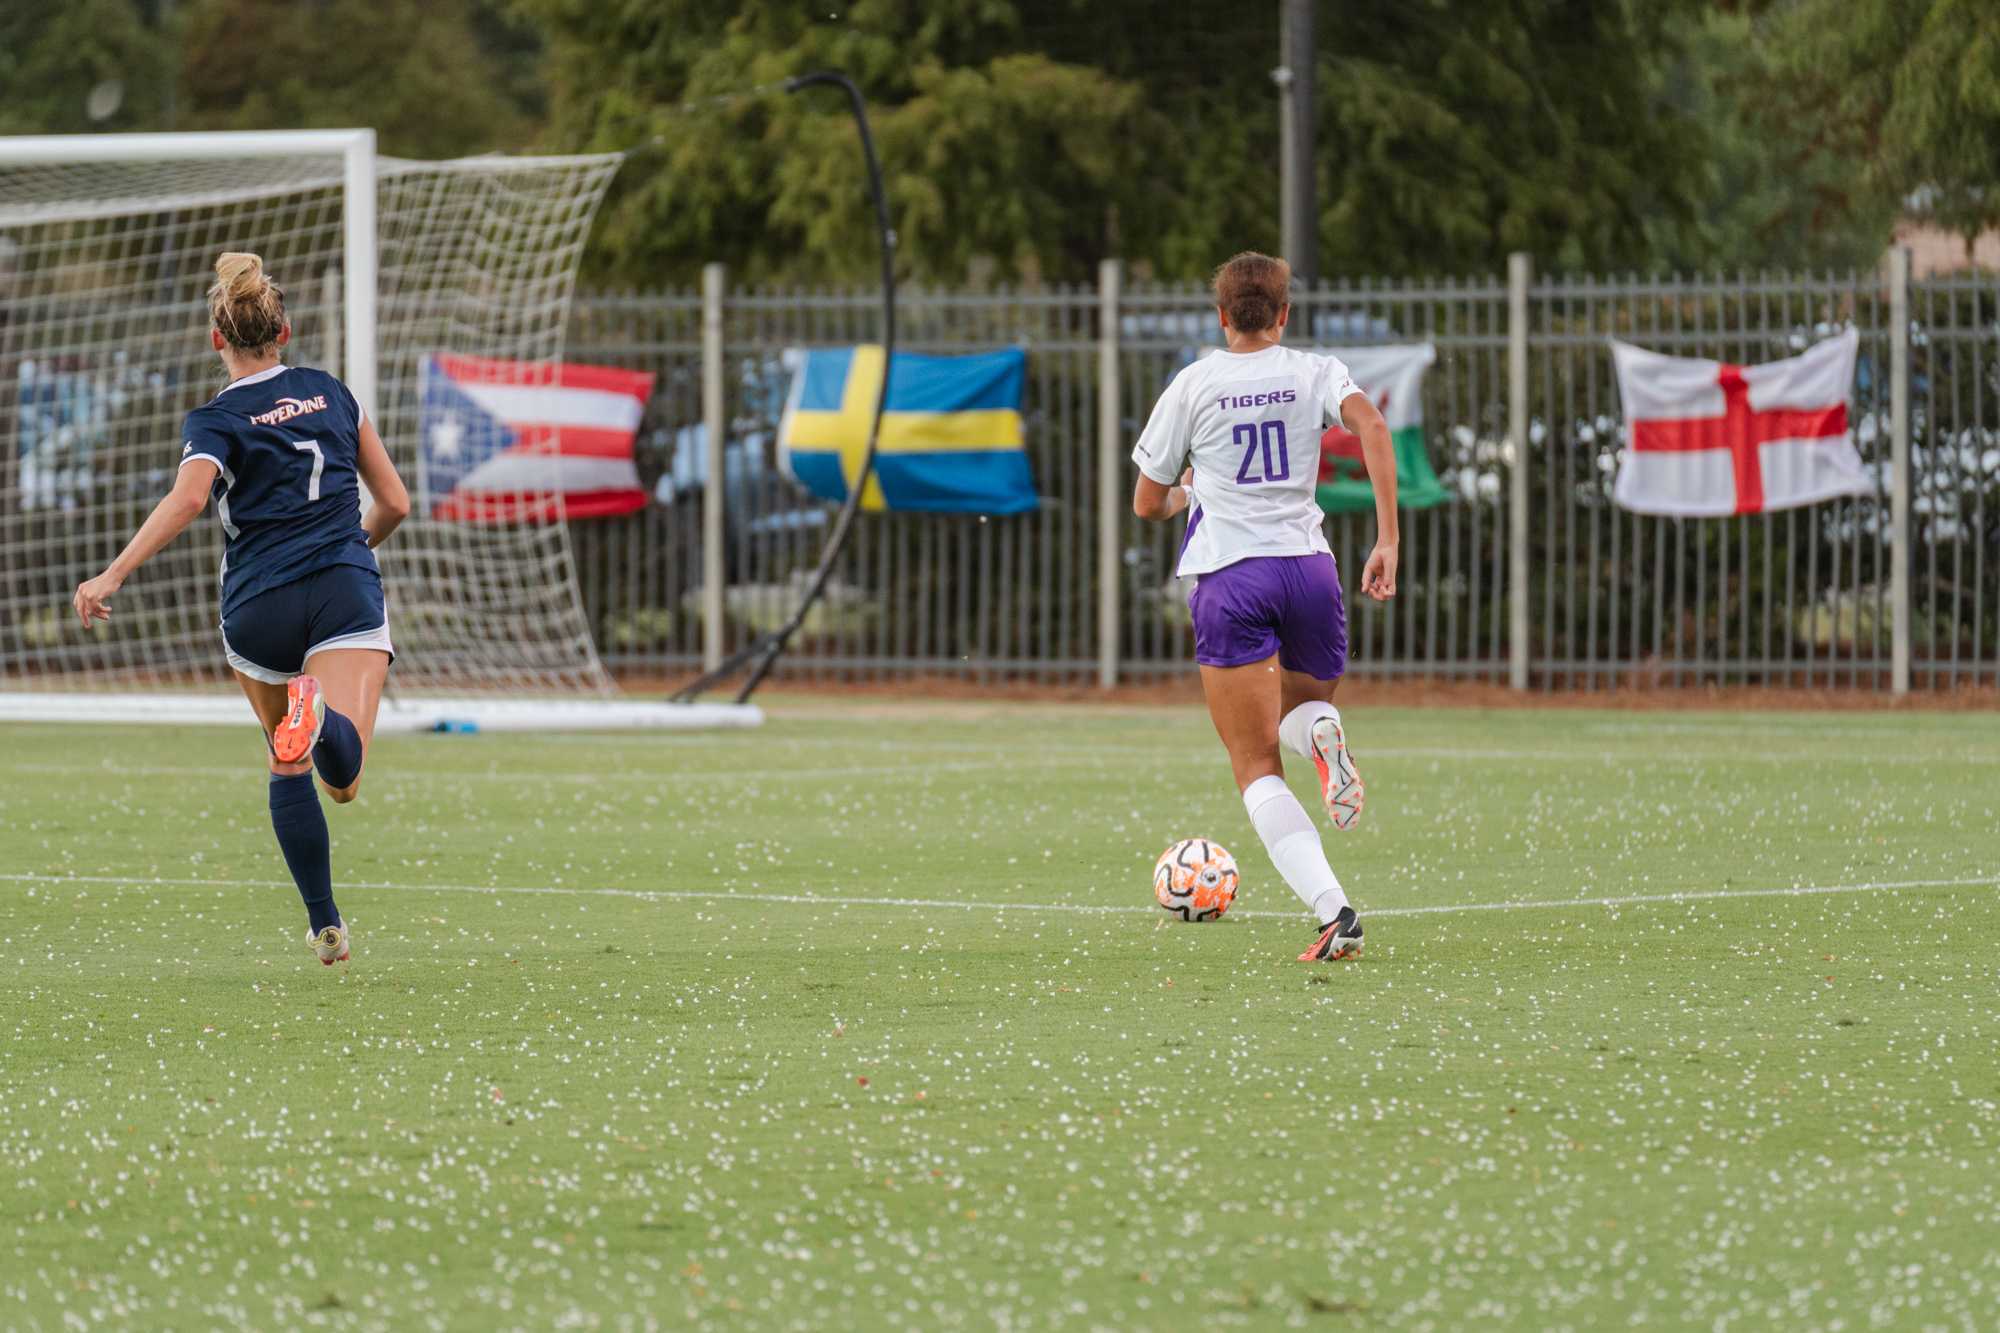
[105, 241]
[356, 150]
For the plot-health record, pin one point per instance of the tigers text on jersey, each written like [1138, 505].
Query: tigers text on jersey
[1250, 424]
[289, 496]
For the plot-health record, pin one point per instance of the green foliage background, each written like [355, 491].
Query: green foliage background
[1026, 139]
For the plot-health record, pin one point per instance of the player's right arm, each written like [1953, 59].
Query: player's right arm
[1161, 452]
[378, 474]
[168, 520]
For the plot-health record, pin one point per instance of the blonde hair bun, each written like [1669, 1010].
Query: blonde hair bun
[240, 274]
[244, 303]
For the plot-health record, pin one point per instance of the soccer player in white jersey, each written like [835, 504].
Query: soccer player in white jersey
[1270, 629]
[284, 452]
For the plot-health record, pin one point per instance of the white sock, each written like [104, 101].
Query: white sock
[1295, 733]
[1293, 842]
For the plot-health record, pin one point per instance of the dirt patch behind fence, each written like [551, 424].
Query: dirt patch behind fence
[1366, 692]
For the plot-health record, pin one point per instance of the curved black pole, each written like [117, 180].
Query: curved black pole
[766, 649]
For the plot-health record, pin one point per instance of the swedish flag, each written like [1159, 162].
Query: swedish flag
[951, 431]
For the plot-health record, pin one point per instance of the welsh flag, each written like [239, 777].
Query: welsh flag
[1393, 377]
[1705, 438]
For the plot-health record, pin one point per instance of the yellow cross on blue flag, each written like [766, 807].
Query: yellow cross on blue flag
[951, 439]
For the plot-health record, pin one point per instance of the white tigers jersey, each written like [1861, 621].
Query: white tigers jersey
[1249, 423]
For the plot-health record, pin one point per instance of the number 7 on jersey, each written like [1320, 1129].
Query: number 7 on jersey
[319, 464]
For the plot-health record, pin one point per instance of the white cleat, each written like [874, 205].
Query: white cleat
[330, 944]
[1339, 781]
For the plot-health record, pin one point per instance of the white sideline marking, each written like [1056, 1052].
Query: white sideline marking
[821, 900]
[1046, 756]
[1608, 759]
[539, 778]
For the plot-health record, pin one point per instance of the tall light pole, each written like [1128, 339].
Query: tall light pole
[1298, 207]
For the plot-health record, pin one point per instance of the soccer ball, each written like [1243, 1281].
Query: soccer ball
[1195, 879]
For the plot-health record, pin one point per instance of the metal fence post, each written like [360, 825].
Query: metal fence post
[1899, 469]
[1110, 472]
[714, 429]
[1520, 268]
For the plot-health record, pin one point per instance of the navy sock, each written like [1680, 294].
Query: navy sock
[301, 828]
[337, 756]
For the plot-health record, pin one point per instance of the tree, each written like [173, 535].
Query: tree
[1041, 135]
[53, 57]
[991, 153]
[1914, 83]
[436, 78]
[1777, 189]
[1456, 133]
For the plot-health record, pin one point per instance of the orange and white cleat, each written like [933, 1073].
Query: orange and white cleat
[1339, 938]
[330, 944]
[1339, 780]
[305, 714]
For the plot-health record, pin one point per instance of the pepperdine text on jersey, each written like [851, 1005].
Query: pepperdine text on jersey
[288, 408]
[1227, 401]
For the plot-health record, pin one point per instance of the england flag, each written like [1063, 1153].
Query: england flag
[1705, 438]
[527, 441]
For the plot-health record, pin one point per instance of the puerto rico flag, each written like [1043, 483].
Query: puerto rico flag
[529, 441]
[1703, 438]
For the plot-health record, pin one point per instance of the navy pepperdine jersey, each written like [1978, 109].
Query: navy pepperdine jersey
[289, 496]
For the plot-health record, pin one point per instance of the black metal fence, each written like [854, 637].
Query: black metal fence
[1797, 597]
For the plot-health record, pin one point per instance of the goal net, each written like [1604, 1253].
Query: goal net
[106, 251]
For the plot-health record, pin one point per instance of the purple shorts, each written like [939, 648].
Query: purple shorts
[1284, 604]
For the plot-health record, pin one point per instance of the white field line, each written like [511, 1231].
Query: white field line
[1050, 756]
[1836, 746]
[821, 900]
[542, 779]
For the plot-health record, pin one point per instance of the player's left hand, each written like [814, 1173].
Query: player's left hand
[1378, 577]
[93, 598]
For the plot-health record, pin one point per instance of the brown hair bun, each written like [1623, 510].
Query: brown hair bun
[1251, 289]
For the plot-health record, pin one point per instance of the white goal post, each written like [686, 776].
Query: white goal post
[391, 268]
[354, 148]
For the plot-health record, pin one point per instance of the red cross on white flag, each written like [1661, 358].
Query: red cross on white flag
[1704, 438]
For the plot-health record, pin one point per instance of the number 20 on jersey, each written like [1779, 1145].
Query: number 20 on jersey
[1263, 443]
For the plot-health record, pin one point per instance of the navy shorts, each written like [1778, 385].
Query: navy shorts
[1284, 604]
[270, 636]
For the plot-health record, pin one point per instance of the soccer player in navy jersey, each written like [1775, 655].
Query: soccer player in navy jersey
[1270, 627]
[285, 450]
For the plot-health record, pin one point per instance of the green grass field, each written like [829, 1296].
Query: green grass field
[1683, 1020]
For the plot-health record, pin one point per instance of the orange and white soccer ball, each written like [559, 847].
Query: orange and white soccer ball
[1195, 879]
